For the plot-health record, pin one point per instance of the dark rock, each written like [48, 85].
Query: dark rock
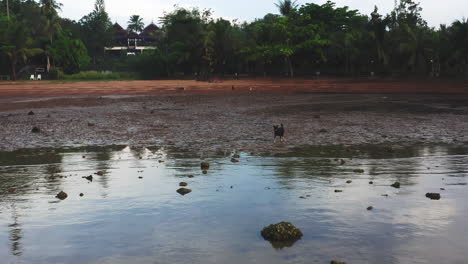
[161, 161]
[11, 190]
[348, 182]
[342, 161]
[338, 191]
[433, 196]
[370, 208]
[81, 194]
[89, 178]
[90, 124]
[184, 191]
[385, 195]
[62, 195]
[371, 182]
[31, 113]
[283, 231]
[100, 173]
[337, 262]
[236, 156]
[205, 172]
[205, 165]
[317, 116]
[302, 197]
[323, 131]
[140, 177]
[233, 160]
[396, 185]
[358, 171]
[442, 189]
[183, 184]
[191, 176]
[84, 157]
[36, 130]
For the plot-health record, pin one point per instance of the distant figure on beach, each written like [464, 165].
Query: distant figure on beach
[279, 132]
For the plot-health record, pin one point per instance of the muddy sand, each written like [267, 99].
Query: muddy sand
[232, 115]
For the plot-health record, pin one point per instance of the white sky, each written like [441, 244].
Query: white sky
[435, 12]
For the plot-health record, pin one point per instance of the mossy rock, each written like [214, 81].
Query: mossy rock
[184, 191]
[396, 185]
[62, 195]
[205, 165]
[281, 232]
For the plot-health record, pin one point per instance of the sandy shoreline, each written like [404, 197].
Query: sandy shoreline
[207, 122]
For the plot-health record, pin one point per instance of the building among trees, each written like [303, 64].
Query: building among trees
[132, 43]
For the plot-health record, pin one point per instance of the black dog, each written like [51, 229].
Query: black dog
[279, 132]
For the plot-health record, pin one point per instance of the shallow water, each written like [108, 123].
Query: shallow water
[124, 219]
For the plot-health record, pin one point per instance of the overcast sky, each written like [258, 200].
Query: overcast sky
[435, 12]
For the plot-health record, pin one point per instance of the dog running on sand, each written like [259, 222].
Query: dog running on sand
[279, 132]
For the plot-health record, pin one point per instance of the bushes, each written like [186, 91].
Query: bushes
[99, 76]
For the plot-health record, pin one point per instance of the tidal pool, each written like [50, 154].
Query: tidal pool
[133, 214]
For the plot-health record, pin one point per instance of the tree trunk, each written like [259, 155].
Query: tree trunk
[290, 66]
[13, 69]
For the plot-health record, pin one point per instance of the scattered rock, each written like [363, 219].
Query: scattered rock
[184, 191]
[337, 262]
[205, 165]
[12, 190]
[302, 197]
[161, 161]
[371, 182]
[81, 194]
[358, 171]
[396, 185]
[348, 182]
[233, 160]
[191, 176]
[442, 189]
[89, 178]
[338, 191]
[342, 161]
[283, 231]
[205, 172]
[433, 196]
[90, 124]
[183, 184]
[100, 173]
[84, 157]
[385, 195]
[236, 156]
[140, 177]
[323, 131]
[36, 130]
[370, 208]
[62, 195]
[31, 113]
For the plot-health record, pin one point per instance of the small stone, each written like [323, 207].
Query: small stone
[385, 195]
[338, 191]
[12, 190]
[433, 196]
[89, 178]
[233, 160]
[183, 184]
[161, 161]
[90, 124]
[100, 173]
[205, 165]
[302, 197]
[442, 189]
[371, 182]
[317, 116]
[62, 195]
[370, 208]
[342, 161]
[31, 113]
[348, 182]
[323, 131]
[140, 177]
[35, 130]
[236, 156]
[191, 176]
[337, 262]
[283, 231]
[81, 194]
[184, 191]
[84, 157]
[205, 172]
[358, 171]
[396, 185]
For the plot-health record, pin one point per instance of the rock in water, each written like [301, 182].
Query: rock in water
[433, 196]
[62, 195]
[81, 194]
[371, 182]
[184, 191]
[370, 208]
[280, 232]
[89, 178]
[205, 165]
[396, 185]
[233, 160]
[236, 156]
[348, 182]
[183, 184]
[359, 171]
[205, 172]
[338, 191]
[100, 173]
[35, 130]
[31, 113]
[337, 262]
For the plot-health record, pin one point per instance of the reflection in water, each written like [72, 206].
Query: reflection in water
[132, 214]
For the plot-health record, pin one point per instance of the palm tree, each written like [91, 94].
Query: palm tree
[7, 10]
[136, 24]
[286, 6]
